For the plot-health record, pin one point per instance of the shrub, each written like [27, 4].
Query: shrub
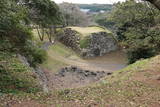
[138, 53]
[142, 45]
[31, 51]
[34, 54]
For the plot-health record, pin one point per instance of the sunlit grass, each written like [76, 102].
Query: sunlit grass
[56, 54]
[85, 31]
[61, 50]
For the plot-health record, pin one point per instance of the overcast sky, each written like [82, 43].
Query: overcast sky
[89, 1]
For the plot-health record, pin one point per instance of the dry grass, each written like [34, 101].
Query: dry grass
[85, 31]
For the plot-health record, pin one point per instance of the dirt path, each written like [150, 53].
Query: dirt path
[108, 63]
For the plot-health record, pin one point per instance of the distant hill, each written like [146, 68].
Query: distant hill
[96, 7]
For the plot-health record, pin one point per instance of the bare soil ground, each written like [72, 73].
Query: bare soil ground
[110, 62]
[73, 79]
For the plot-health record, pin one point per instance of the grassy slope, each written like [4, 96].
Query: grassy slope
[57, 50]
[136, 85]
[54, 63]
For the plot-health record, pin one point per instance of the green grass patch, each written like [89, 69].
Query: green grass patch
[53, 64]
[62, 50]
[84, 42]
[56, 55]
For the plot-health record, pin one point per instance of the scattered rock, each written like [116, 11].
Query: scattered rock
[80, 73]
[43, 78]
[109, 73]
[38, 73]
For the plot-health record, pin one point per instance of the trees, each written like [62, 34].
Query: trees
[16, 16]
[102, 20]
[41, 12]
[16, 40]
[13, 21]
[73, 16]
[137, 27]
[44, 14]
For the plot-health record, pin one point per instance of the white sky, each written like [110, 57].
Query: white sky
[89, 1]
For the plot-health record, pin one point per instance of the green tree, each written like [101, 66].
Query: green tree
[16, 16]
[73, 16]
[134, 21]
[43, 14]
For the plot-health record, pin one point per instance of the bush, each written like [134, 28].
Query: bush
[142, 44]
[31, 51]
[34, 54]
[5, 45]
[135, 54]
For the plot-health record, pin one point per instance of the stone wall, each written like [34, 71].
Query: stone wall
[70, 38]
[98, 44]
